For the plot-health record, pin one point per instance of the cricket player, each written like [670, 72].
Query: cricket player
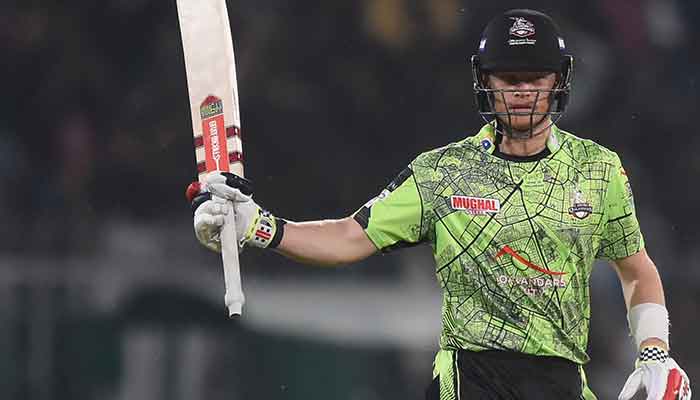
[516, 215]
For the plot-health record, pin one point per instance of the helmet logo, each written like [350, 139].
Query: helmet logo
[522, 28]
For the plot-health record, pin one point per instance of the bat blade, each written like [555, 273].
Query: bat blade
[213, 92]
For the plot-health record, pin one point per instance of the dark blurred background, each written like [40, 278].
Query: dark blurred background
[106, 294]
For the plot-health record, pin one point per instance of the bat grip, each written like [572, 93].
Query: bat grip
[233, 298]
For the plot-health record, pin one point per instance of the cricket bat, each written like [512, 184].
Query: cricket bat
[216, 122]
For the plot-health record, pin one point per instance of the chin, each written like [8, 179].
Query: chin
[522, 123]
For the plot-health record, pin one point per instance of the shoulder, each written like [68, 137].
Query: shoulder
[587, 150]
[450, 154]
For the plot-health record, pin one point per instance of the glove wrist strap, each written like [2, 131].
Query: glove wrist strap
[267, 231]
[652, 354]
[279, 232]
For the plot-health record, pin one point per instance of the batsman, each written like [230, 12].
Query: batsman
[516, 215]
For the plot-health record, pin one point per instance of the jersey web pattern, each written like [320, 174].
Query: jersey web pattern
[490, 299]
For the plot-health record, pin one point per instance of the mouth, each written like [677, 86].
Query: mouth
[521, 108]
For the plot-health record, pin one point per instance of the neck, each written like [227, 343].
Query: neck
[523, 147]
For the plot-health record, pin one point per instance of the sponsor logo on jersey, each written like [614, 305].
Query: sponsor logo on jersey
[532, 286]
[580, 208]
[507, 250]
[521, 29]
[486, 144]
[475, 205]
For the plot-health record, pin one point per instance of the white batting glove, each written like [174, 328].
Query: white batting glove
[659, 374]
[222, 193]
[245, 209]
[208, 220]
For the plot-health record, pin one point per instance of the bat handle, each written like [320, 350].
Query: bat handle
[233, 297]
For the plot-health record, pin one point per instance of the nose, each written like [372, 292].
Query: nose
[524, 89]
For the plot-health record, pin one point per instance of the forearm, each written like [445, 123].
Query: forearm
[655, 370]
[647, 289]
[328, 242]
[325, 243]
[641, 285]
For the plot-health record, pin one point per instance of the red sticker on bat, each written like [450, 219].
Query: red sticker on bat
[214, 134]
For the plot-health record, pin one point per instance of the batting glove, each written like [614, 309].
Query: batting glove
[222, 193]
[659, 374]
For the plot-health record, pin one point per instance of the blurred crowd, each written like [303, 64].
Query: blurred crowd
[335, 95]
[336, 98]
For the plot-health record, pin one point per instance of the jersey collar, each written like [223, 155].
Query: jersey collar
[487, 138]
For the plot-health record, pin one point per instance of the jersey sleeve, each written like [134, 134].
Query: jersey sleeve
[621, 236]
[393, 219]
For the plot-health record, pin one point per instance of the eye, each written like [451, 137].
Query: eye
[510, 79]
[514, 80]
[544, 78]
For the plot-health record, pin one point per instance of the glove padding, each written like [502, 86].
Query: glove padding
[222, 193]
[208, 220]
[660, 375]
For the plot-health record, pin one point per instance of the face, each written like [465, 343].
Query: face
[521, 98]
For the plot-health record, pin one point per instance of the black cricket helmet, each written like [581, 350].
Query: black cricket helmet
[521, 41]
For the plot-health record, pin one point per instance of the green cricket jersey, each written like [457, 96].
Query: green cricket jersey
[514, 240]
